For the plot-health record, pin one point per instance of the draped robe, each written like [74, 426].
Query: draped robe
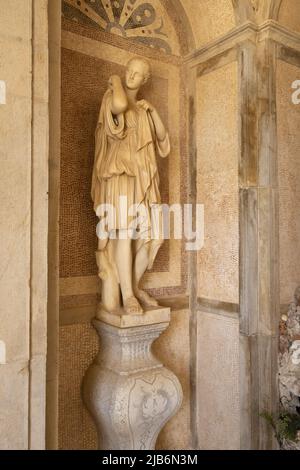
[125, 163]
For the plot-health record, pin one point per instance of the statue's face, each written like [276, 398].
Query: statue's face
[135, 75]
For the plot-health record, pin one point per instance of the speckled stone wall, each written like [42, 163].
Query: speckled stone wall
[87, 64]
[78, 345]
[218, 379]
[289, 176]
[217, 183]
[289, 14]
[209, 18]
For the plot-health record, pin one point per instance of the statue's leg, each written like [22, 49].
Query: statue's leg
[124, 263]
[110, 291]
[141, 263]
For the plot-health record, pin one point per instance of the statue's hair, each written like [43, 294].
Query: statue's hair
[146, 64]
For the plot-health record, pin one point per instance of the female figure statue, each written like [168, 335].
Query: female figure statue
[128, 136]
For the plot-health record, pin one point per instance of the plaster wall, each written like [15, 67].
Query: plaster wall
[217, 183]
[209, 19]
[289, 14]
[289, 174]
[218, 382]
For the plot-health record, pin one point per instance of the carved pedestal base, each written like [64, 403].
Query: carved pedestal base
[127, 390]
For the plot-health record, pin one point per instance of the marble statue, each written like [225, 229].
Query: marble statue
[129, 393]
[129, 134]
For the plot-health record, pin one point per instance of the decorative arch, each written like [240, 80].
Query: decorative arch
[158, 24]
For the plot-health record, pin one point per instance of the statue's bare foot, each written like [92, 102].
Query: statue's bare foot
[146, 299]
[132, 306]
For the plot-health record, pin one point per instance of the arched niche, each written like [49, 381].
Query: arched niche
[90, 53]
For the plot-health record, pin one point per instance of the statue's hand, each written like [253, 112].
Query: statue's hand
[113, 81]
[145, 105]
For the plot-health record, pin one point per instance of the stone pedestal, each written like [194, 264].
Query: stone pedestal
[127, 390]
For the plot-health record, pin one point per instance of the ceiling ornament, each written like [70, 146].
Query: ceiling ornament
[146, 22]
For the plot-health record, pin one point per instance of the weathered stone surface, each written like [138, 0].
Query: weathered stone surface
[288, 174]
[209, 19]
[259, 246]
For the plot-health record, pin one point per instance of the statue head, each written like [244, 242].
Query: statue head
[137, 73]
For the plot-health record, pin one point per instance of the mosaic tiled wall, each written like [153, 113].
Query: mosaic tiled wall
[218, 382]
[217, 183]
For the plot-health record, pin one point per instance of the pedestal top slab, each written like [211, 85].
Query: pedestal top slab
[122, 320]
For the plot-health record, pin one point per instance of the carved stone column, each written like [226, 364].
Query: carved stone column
[127, 390]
